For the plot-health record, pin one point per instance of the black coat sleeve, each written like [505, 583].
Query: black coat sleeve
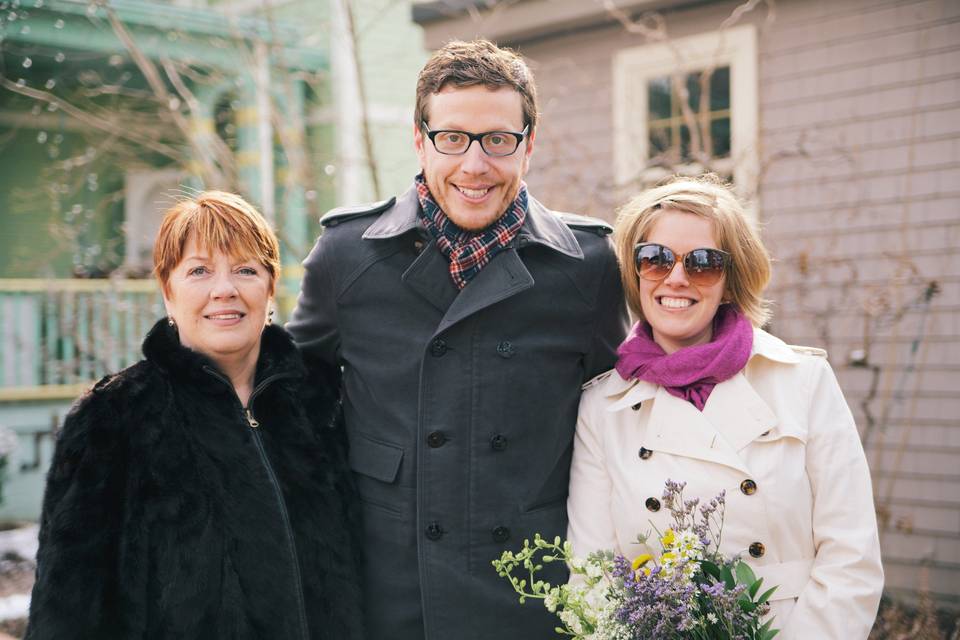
[313, 323]
[80, 591]
[612, 320]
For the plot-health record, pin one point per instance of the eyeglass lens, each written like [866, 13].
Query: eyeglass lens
[494, 143]
[703, 266]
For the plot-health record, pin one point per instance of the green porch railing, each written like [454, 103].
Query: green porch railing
[56, 336]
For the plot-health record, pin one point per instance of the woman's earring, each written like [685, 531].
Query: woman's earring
[171, 322]
[270, 315]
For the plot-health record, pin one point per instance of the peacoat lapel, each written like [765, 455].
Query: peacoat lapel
[501, 278]
[429, 277]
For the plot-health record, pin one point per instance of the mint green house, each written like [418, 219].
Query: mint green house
[110, 111]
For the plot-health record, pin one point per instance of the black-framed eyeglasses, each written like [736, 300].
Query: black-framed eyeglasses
[451, 142]
[704, 267]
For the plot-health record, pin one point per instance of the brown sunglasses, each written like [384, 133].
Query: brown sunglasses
[704, 267]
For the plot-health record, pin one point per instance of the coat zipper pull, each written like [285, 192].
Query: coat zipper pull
[253, 421]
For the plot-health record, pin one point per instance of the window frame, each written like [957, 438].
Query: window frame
[633, 68]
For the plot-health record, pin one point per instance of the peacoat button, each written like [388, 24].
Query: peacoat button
[652, 504]
[506, 349]
[757, 549]
[436, 439]
[418, 245]
[500, 534]
[498, 442]
[438, 347]
[748, 487]
[434, 531]
[645, 453]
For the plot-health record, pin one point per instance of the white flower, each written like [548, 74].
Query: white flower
[711, 618]
[594, 570]
[551, 601]
[572, 621]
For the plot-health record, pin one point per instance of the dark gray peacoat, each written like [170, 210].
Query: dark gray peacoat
[460, 406]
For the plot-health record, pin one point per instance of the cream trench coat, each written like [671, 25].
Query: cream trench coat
[779, 439]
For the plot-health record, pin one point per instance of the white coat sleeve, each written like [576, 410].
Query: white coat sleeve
[591, 526]
[840, 601]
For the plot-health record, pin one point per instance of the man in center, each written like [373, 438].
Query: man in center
[466, 317]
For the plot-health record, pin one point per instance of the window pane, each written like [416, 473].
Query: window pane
[658, 98]
[684, 143]
[693, 87]
[720, 131]
[720, 89]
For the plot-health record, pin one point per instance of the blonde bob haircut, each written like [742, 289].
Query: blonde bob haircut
[222, 222]
[736, 233]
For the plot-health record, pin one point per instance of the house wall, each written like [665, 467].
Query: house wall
[859, 150]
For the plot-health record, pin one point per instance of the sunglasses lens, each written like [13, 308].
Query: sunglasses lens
[654, 261]
[704, 266]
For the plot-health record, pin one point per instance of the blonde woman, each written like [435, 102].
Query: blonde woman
[701, 394]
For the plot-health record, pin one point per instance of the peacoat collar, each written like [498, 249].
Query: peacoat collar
[541, 226]
[735, 414]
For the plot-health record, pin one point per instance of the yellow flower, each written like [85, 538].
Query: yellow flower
[641, 560]
[668, 538]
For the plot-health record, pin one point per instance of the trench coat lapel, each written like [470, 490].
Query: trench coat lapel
[739, 412]
[733, 418]
[504, 276]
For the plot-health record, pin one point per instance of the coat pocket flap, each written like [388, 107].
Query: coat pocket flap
[790, 578]
[379, 460]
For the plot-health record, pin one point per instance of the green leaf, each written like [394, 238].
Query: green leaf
[727, 576]
[745, 575]
[766, 595]
[711, 570]
[754, 588]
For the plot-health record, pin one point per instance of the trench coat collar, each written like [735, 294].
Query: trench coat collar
[734, 416]
[540, 226]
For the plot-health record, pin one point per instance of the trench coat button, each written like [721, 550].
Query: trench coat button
[645, 453]
[652, 504]
[433, 531]
[506, 349]
[636, 407]
[748, 487]
[436, 439]
[498, 442]
[757, 549]
[500, 534]
[438, 347]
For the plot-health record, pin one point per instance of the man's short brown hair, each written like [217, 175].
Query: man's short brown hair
[222, 222]
[478, 62]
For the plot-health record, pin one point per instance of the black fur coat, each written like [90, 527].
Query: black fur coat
[162, 516]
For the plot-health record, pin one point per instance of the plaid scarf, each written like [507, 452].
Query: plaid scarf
[468, 251]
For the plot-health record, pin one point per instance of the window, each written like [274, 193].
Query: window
[686, 106]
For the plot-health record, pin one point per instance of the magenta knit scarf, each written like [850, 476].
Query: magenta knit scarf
[690, 373]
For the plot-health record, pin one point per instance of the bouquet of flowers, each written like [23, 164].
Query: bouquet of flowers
[690, 592]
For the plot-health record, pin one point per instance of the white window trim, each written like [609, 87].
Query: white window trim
[735, 47]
